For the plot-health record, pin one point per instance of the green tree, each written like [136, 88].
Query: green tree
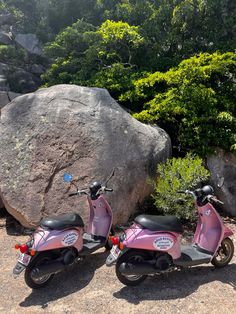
[106, 57]
[194, 102]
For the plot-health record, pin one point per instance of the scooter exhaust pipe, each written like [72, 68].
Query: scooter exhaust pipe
[48, 269]
[54, 267]
[143, 268]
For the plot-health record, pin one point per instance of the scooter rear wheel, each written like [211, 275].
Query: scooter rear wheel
[131, 256]
[40, 259]
[224, 253]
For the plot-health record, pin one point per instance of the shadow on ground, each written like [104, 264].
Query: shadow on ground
[178, 284]
[67, 282]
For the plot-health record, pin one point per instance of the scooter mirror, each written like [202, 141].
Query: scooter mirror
[67, 177]
[220, 182]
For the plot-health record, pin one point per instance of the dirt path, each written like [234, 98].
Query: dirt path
[91, 287]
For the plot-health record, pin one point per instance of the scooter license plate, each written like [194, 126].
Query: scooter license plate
[24, 259]
[115, 251]
[112, 257]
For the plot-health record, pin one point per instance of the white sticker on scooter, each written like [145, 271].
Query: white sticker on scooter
[70, 238]
[163, 243]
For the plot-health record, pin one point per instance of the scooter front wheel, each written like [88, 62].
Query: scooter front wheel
[131, 256]
[39, 259]
[224, 253]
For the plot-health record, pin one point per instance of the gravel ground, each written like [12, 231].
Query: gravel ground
[91, 287]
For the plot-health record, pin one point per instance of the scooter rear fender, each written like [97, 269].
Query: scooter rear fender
[160, 241]
[55, 239]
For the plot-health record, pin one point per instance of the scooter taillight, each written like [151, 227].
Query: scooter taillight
[23, 247]
[115, 240]
[118, 241]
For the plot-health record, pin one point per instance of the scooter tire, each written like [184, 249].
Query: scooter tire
[129, 256]
[39, 259]
[227, 248]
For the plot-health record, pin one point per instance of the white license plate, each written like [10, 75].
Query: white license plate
[112, 257]
[115, 251]
[24, 259]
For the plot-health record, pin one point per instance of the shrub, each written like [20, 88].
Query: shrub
[178, 174]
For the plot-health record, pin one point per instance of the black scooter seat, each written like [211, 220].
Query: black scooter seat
[159, 223]
[62, 221]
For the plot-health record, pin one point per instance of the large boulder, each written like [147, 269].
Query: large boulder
[80, 130]
[222, 166]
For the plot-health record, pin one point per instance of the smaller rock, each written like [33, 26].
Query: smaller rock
[6, 18]
[29, 42]
[5, 39]
[222, 166]
[3, 68]
[6, 97]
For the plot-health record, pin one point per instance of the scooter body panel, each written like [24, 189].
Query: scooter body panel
[210, 229]
[139, 238]
[100, 220]
[45, 240]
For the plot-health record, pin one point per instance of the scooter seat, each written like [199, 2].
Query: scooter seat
[62, 221]
[159, 223]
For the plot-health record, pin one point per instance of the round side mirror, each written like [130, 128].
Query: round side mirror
[67, 177]
[221, 181]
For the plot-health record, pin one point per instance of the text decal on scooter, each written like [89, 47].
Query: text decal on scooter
[163, 243]
[70, 238]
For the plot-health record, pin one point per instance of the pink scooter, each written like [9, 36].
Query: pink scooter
[60, 240]
[152, 244]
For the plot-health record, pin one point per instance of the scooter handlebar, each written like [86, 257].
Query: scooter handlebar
[108, 190]
[214, 199]
[104, 189]
[186, 192]
[79, 193]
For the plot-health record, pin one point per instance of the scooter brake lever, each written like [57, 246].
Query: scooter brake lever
[216, 200]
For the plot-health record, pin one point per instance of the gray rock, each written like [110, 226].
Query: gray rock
[29, 42]
[6, 18]
[6, 97]
[222, 166]
[5, 39]
[3, 68]
[80, 130]
[3, 83]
